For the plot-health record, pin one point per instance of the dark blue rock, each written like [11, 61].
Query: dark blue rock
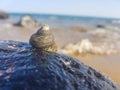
[24, 68]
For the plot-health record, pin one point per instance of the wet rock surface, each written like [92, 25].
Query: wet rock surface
[27, 22]
[3, 15]
[24, 68]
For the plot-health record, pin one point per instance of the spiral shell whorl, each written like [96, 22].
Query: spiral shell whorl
[43, 39]
[45, 29]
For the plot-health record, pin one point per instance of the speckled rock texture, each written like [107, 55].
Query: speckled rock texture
[24, 68]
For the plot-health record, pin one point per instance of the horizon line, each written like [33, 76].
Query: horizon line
[64, 15]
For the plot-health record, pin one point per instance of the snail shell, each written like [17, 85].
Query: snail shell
[43, 39]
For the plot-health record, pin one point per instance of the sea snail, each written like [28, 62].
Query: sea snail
[43, 39]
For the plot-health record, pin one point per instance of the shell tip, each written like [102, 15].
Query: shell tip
[45, 27]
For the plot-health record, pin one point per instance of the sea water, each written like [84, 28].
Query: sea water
[108, 36]
[64, 20]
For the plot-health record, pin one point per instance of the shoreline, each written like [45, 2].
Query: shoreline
[108, 64]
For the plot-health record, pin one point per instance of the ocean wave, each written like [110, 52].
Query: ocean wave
[116, 21]
[85, 46]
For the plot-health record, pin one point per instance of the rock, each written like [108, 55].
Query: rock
[100, 26]
[3, 15]
[27, 22]
[25, 68]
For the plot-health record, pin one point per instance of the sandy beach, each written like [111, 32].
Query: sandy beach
[108, 63]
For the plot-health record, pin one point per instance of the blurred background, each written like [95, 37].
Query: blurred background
[85, 29]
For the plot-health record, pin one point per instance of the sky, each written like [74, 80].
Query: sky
[99, 8]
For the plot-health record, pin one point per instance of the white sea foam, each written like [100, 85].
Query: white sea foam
[98, 32]
[116, 21]
[86, 46]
